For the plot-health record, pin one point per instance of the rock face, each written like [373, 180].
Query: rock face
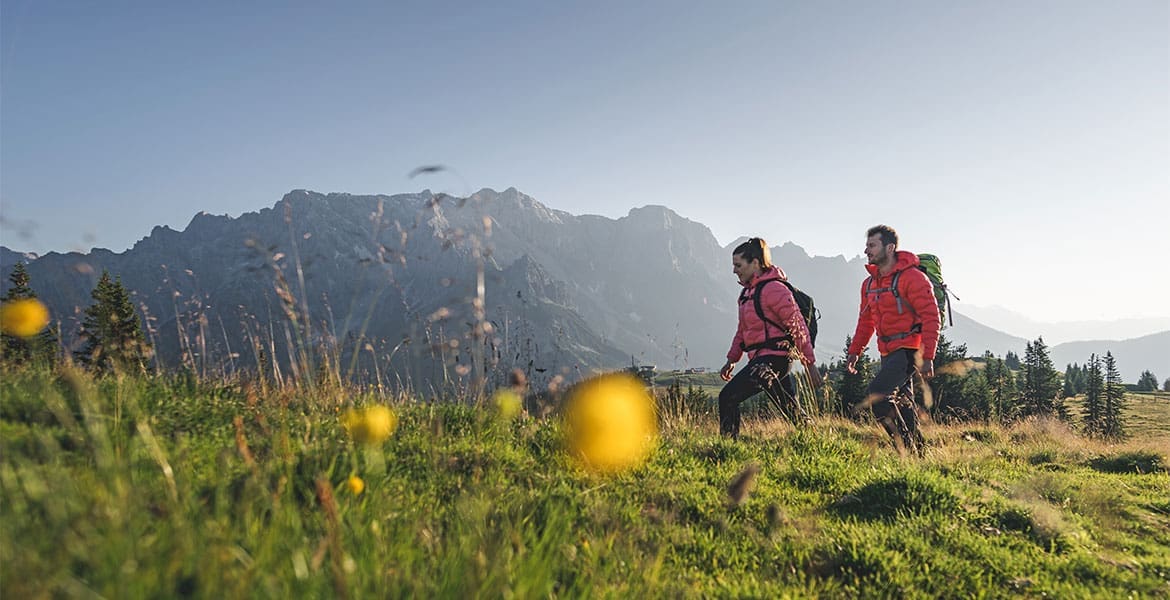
[561, 291]
[387, 285]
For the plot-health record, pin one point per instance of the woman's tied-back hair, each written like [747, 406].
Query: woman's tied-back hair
[755, 249]
[889, 236]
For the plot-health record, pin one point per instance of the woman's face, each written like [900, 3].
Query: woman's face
[743, 269]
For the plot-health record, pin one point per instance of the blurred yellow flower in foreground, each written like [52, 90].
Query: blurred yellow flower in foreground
[507, 404]
[610, 422]
[23, 318]
[355, 485]
[371, 425]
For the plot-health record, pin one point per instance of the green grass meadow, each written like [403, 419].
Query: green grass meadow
[168, 487]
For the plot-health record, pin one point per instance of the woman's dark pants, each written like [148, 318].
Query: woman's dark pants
[763, 373]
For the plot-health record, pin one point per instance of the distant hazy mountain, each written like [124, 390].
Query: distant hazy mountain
[396, 275]
[1149, 352]
[1007, 320]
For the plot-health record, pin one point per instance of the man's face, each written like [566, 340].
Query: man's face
[875, 251]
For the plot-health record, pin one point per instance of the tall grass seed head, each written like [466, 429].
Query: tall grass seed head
[371, 425]
[610, 423]
[24, 318]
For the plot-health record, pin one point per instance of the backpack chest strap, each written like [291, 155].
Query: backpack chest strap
[893, 289]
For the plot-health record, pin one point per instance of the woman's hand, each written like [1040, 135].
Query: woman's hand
[725, 372]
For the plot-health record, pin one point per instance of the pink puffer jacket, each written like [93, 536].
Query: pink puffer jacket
[780, 307]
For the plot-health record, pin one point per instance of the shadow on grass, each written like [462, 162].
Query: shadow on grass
[1136, 461]
[889, 498]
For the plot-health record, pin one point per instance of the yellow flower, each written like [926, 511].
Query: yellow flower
[23, 318]
[370, 425]
[610, 422]
[507, 404]
[355, 485]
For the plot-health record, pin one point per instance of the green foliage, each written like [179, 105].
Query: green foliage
[112, 330]
[1137, 461]
[39, 349]
[1147, 382]
[849, 388]
[144, 486]
[1114, 399]
[1094, 397]
[1001, 386]
[900, 495]
[1074, 380]
[949, 399]
[1041, 389]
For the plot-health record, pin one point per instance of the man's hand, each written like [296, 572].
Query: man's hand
[725, 372]
[852, 366]
[926, 369]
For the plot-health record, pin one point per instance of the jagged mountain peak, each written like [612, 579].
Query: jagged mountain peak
[648, 284]
[656, 217]
[516, 204]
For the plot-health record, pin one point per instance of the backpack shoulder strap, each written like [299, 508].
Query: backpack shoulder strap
[760, 307]
[894, 290]
[778, 342]
[898, 295]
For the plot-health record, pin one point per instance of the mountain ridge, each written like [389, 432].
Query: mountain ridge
[651, 286]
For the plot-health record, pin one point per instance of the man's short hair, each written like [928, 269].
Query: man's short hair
[889, 236]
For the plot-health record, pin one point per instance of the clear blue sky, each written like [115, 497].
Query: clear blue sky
[995, 134]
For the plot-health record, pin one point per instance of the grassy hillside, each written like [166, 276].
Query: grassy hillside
[172, 488]
[1145, 414]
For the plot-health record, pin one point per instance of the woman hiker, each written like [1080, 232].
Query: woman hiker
[771, 339]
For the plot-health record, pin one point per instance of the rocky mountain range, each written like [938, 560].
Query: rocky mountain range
[390, 284]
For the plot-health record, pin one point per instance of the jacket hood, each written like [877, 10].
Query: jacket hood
[772, 272]
[903, 260]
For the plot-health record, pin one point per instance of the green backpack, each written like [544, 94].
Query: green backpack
[932, 267]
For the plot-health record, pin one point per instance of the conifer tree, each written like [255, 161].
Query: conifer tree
[112, 330]
[1012, 360]
[1147, 382]
[1094, 389]
[1041, 383]
[947, 386]
[850, 388]
[1069, 388]
[976, 394]
[1114, 396]
[40, 348]
[1001, 389]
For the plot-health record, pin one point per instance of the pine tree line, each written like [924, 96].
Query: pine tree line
[989, 389]
[41, 348]
[111, 332]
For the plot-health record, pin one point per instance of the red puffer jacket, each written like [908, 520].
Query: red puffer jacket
[912, 323]
[780, 307]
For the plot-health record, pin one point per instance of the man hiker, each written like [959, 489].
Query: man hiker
[898, 302]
